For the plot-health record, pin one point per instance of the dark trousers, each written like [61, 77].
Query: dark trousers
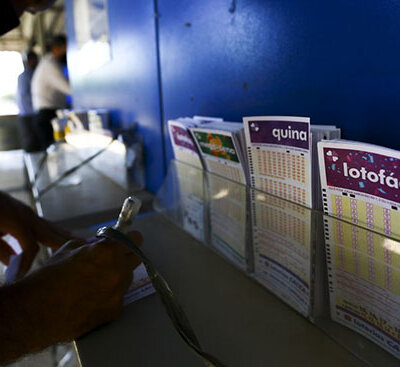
[28, 135]
[43, 127]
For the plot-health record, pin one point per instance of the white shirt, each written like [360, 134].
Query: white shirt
[49, 85]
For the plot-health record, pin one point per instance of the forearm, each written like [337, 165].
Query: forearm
[58, 81]
[62, 85]
[14, 332]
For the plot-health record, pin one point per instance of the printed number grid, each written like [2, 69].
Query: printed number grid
[283, 190]
[367, 255]
[368, 215]
[367, 268]
[282, 165]
[283, 173]
[283, 223]
[224, 170]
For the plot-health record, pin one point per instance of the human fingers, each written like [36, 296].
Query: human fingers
[49, 234]
[119, 247]
[6, 252]
[68, 247]
[25, 218]
[136, 237]
[27, 257]
[127, 255]
[30, 249]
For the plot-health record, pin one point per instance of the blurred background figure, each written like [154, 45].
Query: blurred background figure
[29, 138]
[49, 89]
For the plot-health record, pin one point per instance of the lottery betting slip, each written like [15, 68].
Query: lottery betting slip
[282, 157]
[190, 180]
[281, 153]
[221, 145]
[360, 189]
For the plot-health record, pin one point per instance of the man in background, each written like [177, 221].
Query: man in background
[49, 89]
[27, 130]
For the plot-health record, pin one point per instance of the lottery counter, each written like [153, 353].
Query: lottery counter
[262, 280]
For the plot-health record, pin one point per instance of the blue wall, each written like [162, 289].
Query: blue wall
[128, 84]
[337, 61]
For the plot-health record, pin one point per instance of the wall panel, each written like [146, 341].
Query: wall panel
[336, 61]
[128, 84]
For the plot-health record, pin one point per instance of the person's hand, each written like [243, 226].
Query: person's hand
[78, 289]
[18, 220]
[83, 285]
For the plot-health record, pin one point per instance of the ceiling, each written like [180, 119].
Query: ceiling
[35, 30]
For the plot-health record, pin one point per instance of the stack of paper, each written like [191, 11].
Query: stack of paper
[221, 145]
[190, 178]
[282, 159]
[360, 185]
